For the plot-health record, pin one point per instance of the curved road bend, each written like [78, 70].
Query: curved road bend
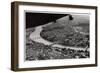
[35, 36]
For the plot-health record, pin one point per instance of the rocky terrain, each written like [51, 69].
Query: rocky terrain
[60, 34]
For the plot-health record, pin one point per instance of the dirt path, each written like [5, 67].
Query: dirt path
[35, 36]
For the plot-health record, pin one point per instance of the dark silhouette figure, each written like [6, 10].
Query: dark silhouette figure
[70, 17]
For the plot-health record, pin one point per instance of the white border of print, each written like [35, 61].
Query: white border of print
[48, 63]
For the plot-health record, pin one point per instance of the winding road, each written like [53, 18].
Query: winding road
[35, 36]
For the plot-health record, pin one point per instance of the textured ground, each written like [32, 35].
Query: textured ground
[39, 51]
[62, 33]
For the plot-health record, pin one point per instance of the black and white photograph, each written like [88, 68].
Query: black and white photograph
[53, 36]
[57, 36]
